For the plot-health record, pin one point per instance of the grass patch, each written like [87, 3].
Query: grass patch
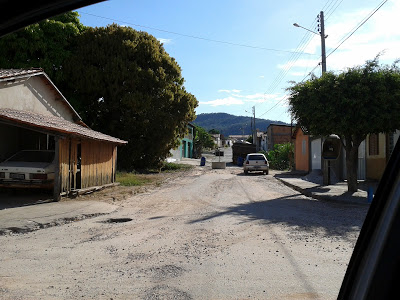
[168, 167]
[131, 179]
[148, 177]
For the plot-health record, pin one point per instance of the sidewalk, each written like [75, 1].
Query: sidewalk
[311, 185]
[20, 219]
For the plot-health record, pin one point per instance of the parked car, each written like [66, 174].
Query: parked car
[28, 168]
[256, 162]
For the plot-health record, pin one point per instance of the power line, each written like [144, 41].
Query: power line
[328, 15]
[291, 61]
[276, 104]
[348, 35]
[309, 73]
[326, 4]
[345, 38]
[330, 6]
[194, 36]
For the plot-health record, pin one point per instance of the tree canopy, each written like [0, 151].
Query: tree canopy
[125, 84]
[213, 131]
[351, 104]
[47, 44]
[202, 139]
[121, 81]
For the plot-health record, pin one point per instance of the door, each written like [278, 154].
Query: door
[316, 154]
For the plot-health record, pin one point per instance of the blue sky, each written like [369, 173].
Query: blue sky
[238, 54]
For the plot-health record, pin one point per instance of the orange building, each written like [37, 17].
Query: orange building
[301, 150]
[278, 134]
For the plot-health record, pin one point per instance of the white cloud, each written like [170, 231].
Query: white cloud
[229, 91]
[298, 74]
[261, 76]
[237, 99]
[224, 101]
[164, 41]
[379, 33]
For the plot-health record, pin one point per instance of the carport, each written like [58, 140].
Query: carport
[85, 159]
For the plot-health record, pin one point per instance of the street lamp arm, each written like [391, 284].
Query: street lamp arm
[323, 37]
[297, 25]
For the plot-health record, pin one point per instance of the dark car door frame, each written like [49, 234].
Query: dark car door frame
[374, 267]
[16, 15]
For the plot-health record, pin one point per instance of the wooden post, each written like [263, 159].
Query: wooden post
[57, 181]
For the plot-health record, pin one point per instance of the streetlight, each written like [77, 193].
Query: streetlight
[326, 178]
[323, 37]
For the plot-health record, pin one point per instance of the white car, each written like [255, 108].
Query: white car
[256, 162]
[28, 168]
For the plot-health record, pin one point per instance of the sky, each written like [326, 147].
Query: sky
[240, 54]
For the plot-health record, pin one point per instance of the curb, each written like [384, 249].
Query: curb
[320, 197]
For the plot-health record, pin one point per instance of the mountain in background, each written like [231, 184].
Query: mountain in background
[229, 124]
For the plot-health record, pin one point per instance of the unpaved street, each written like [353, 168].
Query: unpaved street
[212, 234]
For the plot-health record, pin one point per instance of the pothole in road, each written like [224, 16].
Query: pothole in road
[118, 220]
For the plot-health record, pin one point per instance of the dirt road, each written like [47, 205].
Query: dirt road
[212, 234]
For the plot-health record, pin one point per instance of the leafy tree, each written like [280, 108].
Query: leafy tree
[125, 84]
[121, 81]
[281, 157]
[47, 44]
[352, 104]
[213, 131]
[202, 139]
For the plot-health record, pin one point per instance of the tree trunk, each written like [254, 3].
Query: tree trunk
[352, 167]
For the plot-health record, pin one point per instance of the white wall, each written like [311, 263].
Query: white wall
[316, 154]
[32, 94]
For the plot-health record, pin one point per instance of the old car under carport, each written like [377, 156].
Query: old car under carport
[34, 115]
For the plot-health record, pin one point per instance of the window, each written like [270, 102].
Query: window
[303, 147]
[373, 144]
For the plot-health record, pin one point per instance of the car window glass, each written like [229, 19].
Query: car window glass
[33, 156]
[256, 157]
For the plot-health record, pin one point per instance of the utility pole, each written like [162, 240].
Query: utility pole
[327, 163]
[254, 127]
[322, 34]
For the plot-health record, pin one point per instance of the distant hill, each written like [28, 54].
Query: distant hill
[229, 124]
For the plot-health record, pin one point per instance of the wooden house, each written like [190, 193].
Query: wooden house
[34, 115]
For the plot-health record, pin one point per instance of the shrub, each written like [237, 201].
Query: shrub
[281, 157]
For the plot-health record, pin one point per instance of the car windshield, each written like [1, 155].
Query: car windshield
[191, 142]
[33, 156]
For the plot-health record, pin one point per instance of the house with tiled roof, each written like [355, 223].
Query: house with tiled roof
[34, 115]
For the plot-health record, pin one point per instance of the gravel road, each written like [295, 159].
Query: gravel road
[212, 234]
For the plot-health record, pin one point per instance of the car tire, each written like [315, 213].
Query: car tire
[266, 172]
[246, 172]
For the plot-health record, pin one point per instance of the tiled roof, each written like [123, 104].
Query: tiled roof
[53, 123]
[10, 73]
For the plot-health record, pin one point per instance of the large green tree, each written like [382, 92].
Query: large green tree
[351, 104]
[47, 44]
[121, 81]
[202, 139]
[125, 84]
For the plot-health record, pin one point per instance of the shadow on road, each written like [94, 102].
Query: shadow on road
[304, 214]
[251, 174]
[18, 198]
